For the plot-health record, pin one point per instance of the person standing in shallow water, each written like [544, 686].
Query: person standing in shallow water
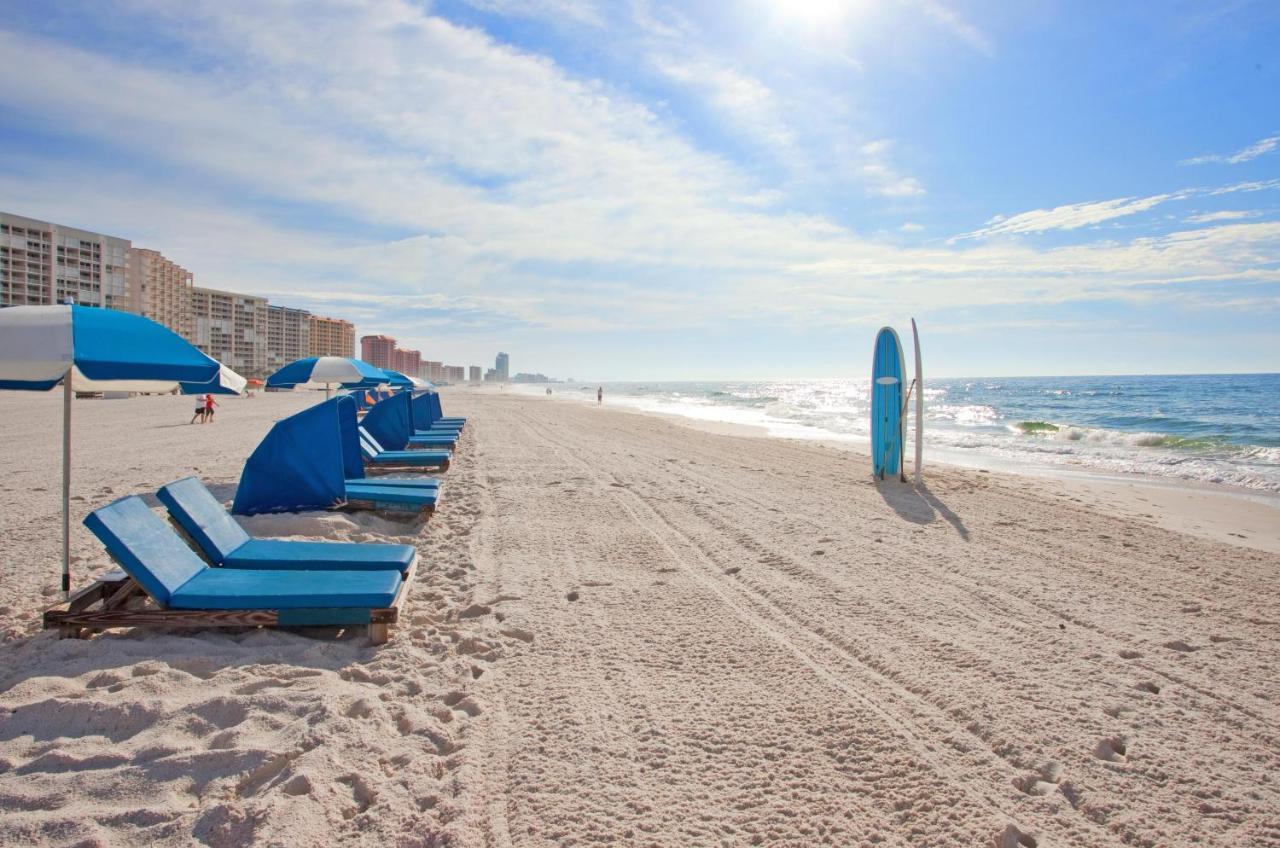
[599, 395]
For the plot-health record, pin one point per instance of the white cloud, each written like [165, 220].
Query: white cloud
[487, 185]
[1073, 216]
[881, 177]
[1223, 215]
[912, 227]
[960, 27]
[1245, 154]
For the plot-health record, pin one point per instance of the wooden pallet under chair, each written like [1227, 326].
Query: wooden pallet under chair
[117, 600]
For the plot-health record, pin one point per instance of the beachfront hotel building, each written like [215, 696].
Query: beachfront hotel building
[331, 337]
[232, 328]
[454, 374]
[432, 371]
[502, 367]
[288, 335]
[378, 350]
[159, 289]
[407, 362]
[474, 374]
[42, 263]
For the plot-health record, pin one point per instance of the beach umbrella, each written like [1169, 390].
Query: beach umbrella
[327, 371]
[396, 380]
[227, 382]
[88, 349]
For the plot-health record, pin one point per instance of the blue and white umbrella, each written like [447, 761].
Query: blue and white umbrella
[91, 350]
[227, 382]
[397, 380]
[316, 372]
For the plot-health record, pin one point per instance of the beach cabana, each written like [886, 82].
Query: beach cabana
[438, 413]
[88, 349]
[186, 592]
[312, 460]
[315, 372]
[390, 423]
[425, 420]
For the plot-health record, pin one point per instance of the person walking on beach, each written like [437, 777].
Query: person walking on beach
[208, 409]
[199, 411]
[599, 395]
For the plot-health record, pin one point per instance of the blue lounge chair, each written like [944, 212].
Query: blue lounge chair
[437, 414]
[374, 454]
[187, 592]
[225, 542]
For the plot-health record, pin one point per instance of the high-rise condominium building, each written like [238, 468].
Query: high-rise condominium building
[433, 371]
[232, 328]
[378, 350]
[454, 374]
[331, 337]
[44, 263]
[407, 362]
[502, 366]
[159, 289]
[473, 374]
[288, 335]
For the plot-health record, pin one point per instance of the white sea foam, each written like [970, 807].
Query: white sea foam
[960, 425]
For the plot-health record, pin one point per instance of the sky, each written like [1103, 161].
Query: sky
[642, 190]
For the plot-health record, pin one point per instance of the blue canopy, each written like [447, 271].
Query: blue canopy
[104, 349]
[303, 462]
[390, 421]
[327, 370]
[227, 382]
[396, 380]
[424, 411]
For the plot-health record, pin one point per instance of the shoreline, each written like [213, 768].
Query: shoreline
[1219, 512]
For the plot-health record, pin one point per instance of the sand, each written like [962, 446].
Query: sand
[628, 631]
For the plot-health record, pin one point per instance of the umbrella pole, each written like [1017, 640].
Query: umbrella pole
[326, 391]
[66, 483]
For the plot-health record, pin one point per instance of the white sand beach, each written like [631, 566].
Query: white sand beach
[626, 631]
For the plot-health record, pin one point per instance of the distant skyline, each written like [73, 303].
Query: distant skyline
[661, 191]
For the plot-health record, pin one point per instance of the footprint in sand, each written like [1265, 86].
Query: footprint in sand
[1180, 646]
[1041, 782]
[1013, 837]
[1149, 686]
[1130, 655]
[1114, 749]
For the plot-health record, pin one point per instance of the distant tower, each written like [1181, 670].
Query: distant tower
[503, 366]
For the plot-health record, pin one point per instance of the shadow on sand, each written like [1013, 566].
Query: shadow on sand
[919, 505]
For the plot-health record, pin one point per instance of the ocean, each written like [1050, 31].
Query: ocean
[1206, 428]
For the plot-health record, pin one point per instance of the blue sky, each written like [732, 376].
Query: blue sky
[650, 190]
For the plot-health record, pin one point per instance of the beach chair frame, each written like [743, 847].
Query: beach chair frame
[111, 601]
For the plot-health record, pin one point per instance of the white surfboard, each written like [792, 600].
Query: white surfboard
[919, 403]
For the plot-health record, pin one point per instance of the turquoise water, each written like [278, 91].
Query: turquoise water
[1209, 428]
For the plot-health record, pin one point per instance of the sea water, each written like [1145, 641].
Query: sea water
[1208, 428]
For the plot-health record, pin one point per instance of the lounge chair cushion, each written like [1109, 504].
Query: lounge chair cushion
[171, 573]
[433, 439]
[375, 453]
[395, 482]
[287, 555]
[145, 547]
[199, 513]
[394, 495]
[204, 519]
[247, 589]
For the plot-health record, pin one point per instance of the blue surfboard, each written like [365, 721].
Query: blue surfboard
[887, 371]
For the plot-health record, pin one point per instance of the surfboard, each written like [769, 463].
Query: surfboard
[915, 335]
[887, 371]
